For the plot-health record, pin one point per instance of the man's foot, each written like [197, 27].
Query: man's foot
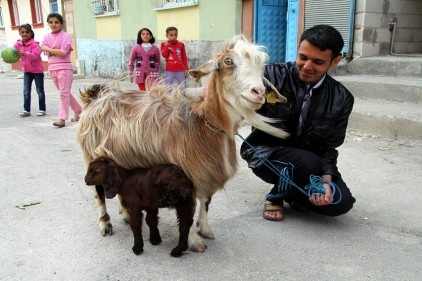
[273, 211]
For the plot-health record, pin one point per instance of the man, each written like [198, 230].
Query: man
[316, 116]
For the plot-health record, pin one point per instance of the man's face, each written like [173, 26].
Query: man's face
[313, 63]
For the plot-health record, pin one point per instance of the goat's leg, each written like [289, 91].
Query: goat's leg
[122, 210]
[103, 218]
[204, 229]
[195, 242]
[136, 217]
[152, 222]
[185, 215]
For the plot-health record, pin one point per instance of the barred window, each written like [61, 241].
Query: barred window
[103, 7]
[172, 4]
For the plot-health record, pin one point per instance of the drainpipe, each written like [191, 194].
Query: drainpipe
[392, 24]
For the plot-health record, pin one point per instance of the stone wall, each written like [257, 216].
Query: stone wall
[109, 58]
[375, 22]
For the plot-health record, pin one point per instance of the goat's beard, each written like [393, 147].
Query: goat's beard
[261, 122]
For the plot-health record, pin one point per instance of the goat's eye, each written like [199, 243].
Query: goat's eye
[228, 61]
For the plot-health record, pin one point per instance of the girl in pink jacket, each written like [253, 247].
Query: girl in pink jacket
[144, 60]
[32, 68]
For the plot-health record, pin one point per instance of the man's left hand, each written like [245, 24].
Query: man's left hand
[324, 199]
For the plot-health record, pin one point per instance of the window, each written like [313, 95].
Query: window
[1, 18]
[103, 7]
[36, 13]
[14, 14]
[54, 6]
[172, 4]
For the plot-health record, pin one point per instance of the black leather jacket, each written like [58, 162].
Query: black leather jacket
[325, 127]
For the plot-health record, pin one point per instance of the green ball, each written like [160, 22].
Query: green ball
[10, 55]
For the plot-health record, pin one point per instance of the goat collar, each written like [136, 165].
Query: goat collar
[212, 127]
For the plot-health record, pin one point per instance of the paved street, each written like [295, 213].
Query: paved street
[56, 237]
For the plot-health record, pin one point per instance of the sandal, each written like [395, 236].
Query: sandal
[60, 123]
[270, 207]
[77, 117]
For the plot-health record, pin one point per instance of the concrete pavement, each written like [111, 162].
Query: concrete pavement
[58, 239]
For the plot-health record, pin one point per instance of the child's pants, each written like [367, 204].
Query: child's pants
[63, 80]
[178, 77]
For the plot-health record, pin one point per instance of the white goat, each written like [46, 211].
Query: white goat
[143, 130]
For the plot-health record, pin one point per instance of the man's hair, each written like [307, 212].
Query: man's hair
[55, 15]
[324, 37]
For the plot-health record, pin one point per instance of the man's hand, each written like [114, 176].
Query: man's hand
[324, 199]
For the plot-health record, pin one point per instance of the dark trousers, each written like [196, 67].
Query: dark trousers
[28, 77]
[301, 164]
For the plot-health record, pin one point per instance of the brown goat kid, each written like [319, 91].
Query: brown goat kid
[162, 186]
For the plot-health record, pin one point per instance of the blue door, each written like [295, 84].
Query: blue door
[271, 27]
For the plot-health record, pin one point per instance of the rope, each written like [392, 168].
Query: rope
[285, 182]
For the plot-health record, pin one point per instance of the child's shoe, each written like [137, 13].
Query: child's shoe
[41, 113]
[25, 113]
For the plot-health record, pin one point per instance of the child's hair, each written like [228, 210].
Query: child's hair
[55, 15]
[139, 39]
[170, 28]
[28, 27]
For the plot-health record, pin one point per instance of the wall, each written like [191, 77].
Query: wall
[220, 19]
[105, 50]
[372, 36]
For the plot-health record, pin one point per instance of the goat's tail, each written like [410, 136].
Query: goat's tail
[91, 93]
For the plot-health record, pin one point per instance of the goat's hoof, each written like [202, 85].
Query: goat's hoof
[106, 228]
[155, 240]
[206, 234]
[176, 252]
[199, 247]
[137, 250]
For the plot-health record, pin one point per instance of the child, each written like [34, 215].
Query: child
[144, 59]
[30, 54]
[57, 46]
[174, 52]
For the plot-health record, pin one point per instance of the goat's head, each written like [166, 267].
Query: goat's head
[238, 77]
[104, 171]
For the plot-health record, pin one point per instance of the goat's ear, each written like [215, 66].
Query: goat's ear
[279, 97]
[204, 69]
[112, 177]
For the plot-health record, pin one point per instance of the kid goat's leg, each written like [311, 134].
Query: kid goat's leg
[185, 213]
[103, 218]
[152, 221]
[136, 217]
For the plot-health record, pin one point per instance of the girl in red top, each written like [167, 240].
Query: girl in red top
[174, 52]
[144, 60]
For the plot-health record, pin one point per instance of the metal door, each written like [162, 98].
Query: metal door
[270, 20]
[337, 13]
